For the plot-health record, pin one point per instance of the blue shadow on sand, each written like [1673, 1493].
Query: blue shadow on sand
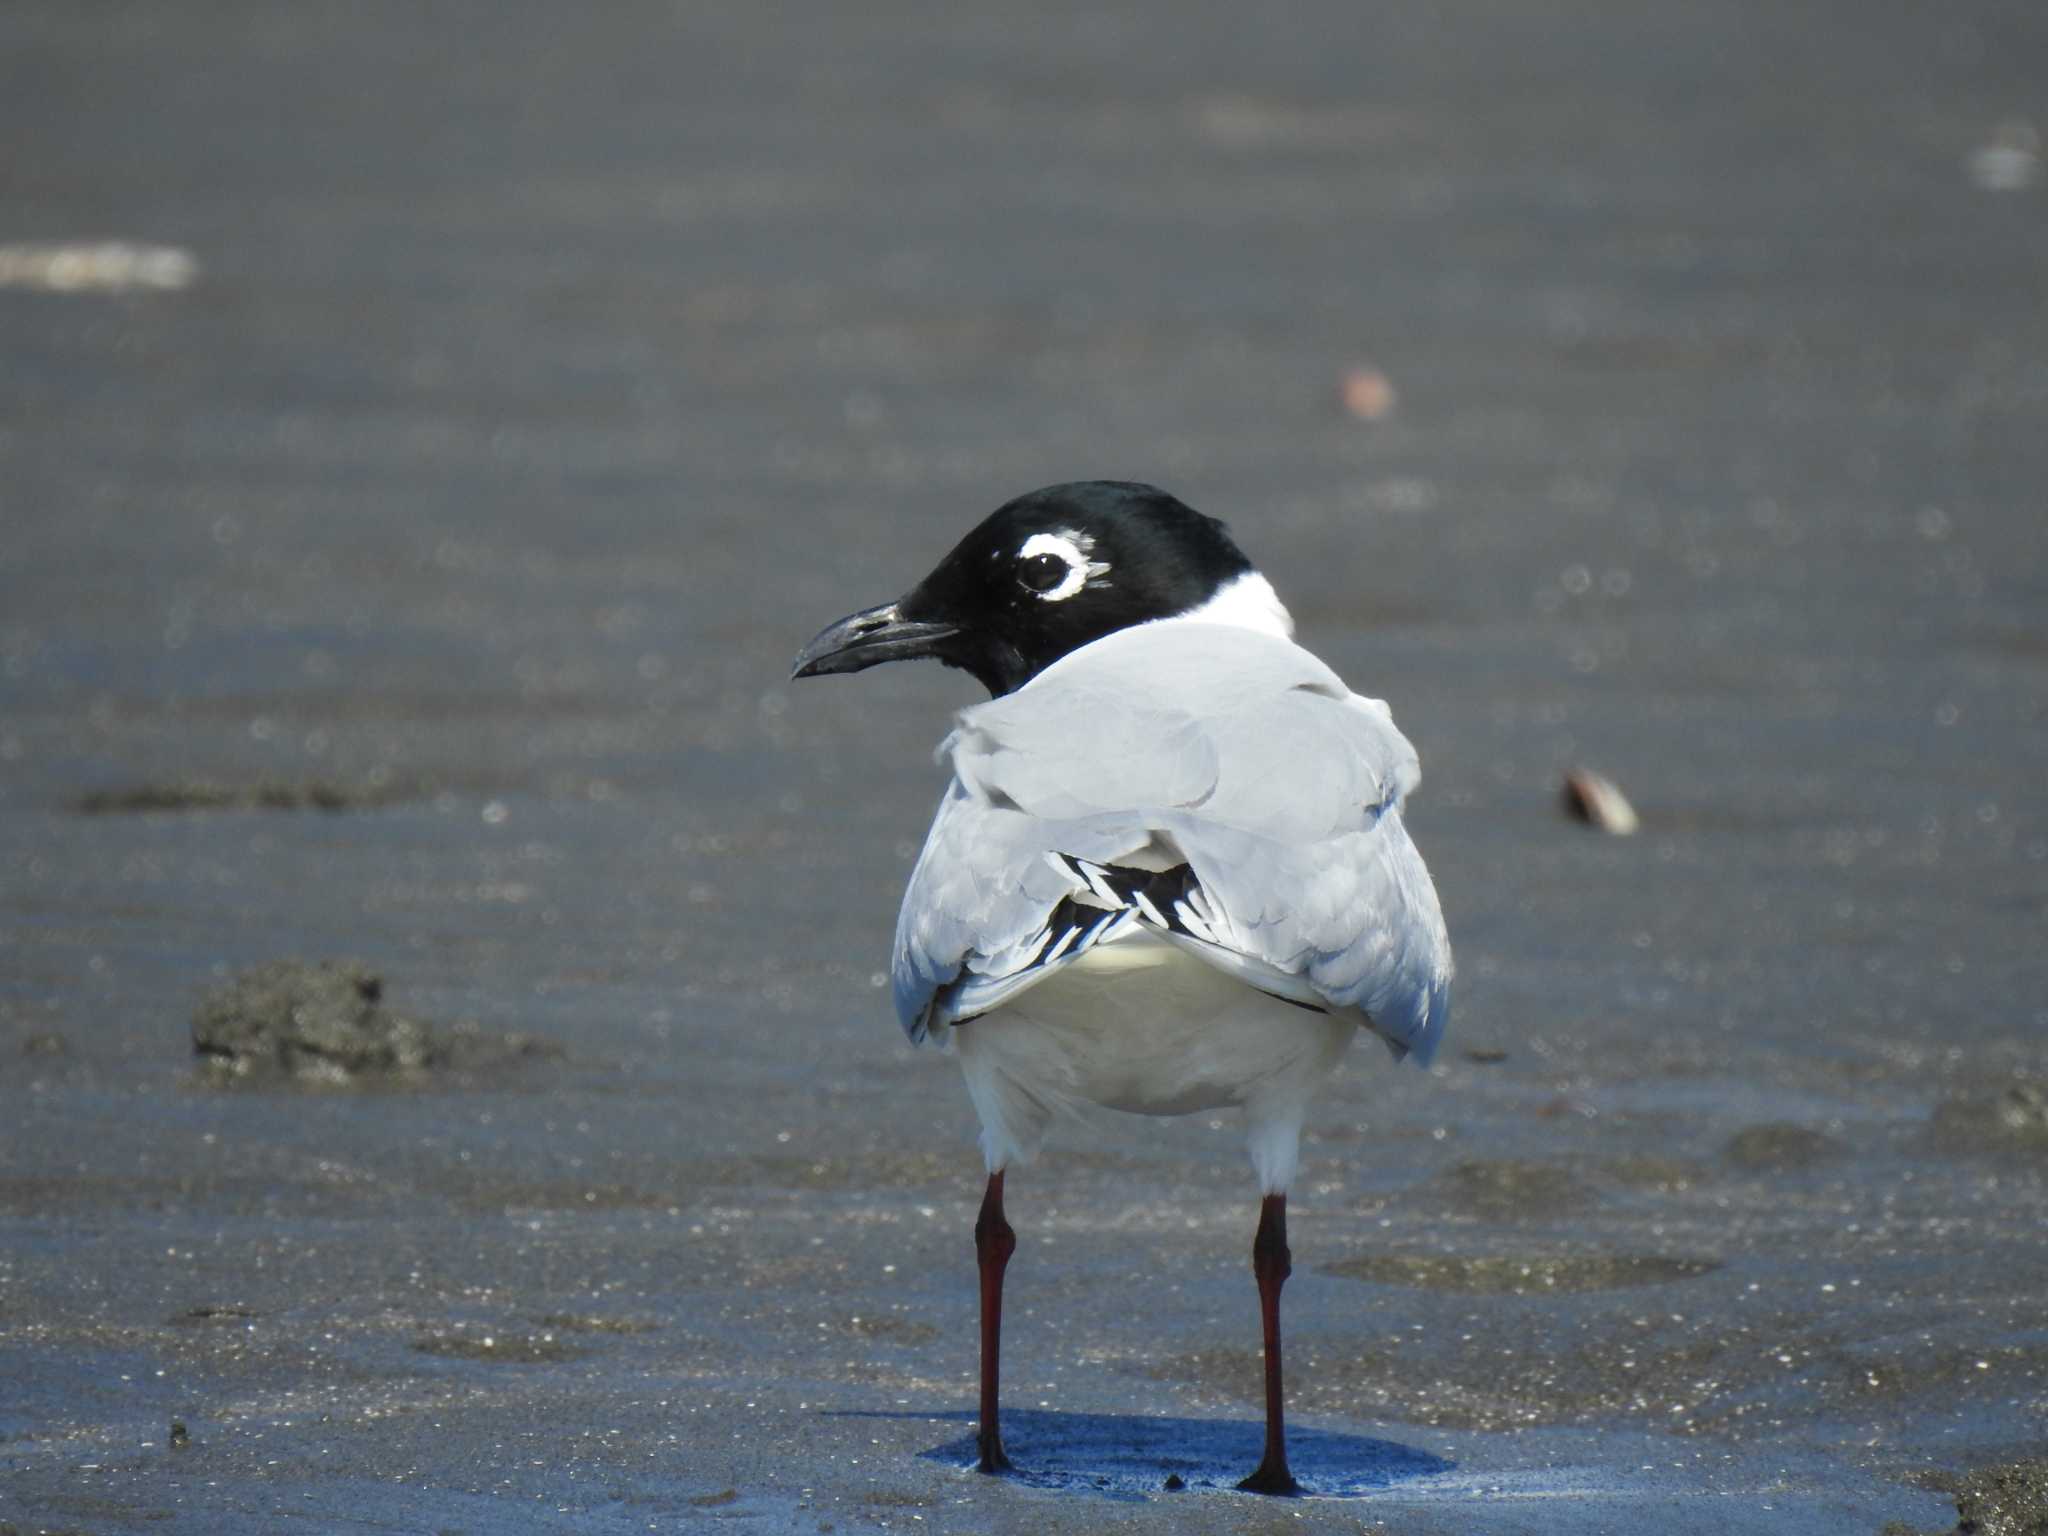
[1128, 1456]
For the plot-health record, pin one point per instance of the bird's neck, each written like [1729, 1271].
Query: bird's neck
[1249, 602]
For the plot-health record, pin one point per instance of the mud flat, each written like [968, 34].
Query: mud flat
[1647, 385]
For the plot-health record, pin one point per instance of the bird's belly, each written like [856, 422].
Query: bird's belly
[1142, 1026]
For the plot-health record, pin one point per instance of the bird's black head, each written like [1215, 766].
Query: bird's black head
[1039, 577]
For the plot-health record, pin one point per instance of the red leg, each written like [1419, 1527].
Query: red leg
[994, 1242]
[1272, 1264]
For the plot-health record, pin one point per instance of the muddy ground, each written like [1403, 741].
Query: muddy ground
[405, 576]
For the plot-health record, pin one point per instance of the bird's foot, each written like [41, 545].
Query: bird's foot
[992, 1460]
[1274, 1480]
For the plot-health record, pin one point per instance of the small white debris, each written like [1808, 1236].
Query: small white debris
[110, 266]
[2011, 162]
[1598, 802]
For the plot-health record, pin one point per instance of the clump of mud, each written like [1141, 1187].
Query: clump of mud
[1778, 1146]
[1520, 1274]
[213, 1312]
[324, 1022]
[579, 1322]
[893, 1330]
[1504, 1189]
[1664, 1175]
[493, 1348]
[2015, 1118]
[264, 795]
[2010, 1500]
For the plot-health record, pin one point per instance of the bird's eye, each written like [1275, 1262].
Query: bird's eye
[1041, 573]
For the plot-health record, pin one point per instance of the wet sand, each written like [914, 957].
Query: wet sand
[1657, 390]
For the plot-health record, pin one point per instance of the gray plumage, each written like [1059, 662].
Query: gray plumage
[1232, 751]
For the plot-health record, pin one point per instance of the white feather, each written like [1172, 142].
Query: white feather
[1199, 1041]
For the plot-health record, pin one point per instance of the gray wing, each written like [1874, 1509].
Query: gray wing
[1218, 786]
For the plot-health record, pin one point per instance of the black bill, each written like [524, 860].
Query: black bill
[867, 638]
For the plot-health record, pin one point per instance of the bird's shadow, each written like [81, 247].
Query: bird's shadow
[1128, 1456]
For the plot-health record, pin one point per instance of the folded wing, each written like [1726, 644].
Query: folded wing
[1227, 778]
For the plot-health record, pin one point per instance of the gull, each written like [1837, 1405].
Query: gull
[1169, 875]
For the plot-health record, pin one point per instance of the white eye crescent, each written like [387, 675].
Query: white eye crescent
[1054, 566]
